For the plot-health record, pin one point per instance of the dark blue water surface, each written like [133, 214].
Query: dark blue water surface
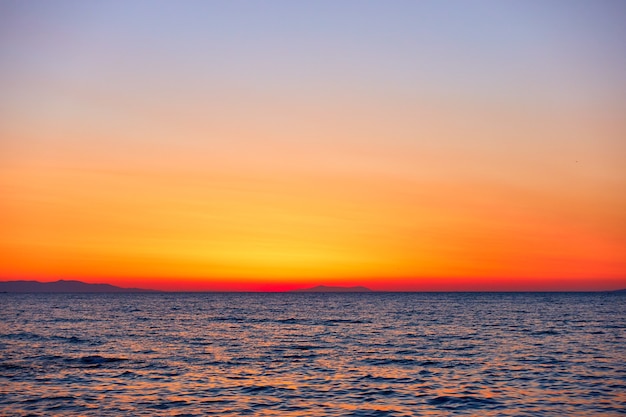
[372, 354]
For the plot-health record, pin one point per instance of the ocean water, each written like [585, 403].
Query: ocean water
[282, 354]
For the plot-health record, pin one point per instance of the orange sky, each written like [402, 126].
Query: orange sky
[279, 163]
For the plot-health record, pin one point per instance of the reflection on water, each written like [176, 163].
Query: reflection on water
[312, 354]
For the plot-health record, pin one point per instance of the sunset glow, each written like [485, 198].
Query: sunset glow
[267, 147]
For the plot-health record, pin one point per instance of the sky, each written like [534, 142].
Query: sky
[274, 145]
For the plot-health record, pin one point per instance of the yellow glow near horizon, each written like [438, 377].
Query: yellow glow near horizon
[405, 156]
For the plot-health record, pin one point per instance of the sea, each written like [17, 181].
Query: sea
[313, 354]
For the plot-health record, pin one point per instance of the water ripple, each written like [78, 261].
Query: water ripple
[312, 354]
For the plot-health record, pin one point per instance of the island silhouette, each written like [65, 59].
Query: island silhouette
[332, 288]
[74, 286]
[63, 286]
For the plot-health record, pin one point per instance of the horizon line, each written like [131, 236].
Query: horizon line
[317, 288]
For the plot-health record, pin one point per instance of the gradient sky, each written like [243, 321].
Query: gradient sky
[240, 145]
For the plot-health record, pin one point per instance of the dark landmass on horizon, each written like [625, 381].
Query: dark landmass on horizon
[63, 286]
[73, 286]
[329, 288]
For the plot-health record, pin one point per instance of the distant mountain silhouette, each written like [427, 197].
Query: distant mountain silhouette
[327, 288]
[622, 290]
[62, 286]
